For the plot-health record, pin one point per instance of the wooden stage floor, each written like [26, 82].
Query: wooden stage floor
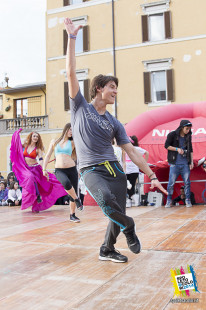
[49, 263]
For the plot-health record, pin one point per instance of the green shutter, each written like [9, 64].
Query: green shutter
[66, 97]
[147, 87]
[145, 33]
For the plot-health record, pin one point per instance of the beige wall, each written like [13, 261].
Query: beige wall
[188, 54]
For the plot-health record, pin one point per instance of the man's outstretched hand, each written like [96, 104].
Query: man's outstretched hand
[156, 183]
[70, 27]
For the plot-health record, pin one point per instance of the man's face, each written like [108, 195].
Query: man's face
[109, 92]
[182, 191]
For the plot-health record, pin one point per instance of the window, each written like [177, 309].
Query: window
[158, 82]
[21, 109]
[1, 102]
[156, 27]
[76, 1]
[158, 86]
[82, 40]
[156, 23]
[84, 88]
[68, 2]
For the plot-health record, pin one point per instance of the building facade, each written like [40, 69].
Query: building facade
[156, 49]
[23, 107]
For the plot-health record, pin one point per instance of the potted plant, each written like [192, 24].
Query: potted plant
[7, 108]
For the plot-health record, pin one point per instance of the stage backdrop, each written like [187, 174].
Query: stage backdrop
[152, 128]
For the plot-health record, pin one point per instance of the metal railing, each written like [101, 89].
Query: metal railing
[139, 184]
[26, 123]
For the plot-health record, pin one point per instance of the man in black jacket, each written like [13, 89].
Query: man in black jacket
[180, 159]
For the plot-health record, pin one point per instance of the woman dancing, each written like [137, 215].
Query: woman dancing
[37, 191]
[65, 168]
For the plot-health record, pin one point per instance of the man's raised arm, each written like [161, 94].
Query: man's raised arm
[72, 32]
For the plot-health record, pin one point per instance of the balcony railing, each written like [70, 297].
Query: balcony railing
[26, 123]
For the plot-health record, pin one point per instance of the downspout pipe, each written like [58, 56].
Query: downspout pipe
[114, 56]
[45, 101]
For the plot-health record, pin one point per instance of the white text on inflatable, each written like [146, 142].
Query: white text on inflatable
[164, 132]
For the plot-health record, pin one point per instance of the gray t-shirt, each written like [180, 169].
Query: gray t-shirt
[93, 133]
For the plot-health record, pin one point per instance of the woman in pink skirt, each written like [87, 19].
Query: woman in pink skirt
[38, 191]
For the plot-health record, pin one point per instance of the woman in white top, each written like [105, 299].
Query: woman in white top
[132, 171]
[119, 153]
[14, 194]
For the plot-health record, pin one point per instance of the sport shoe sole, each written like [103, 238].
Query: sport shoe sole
[74, 221]
[111, 259]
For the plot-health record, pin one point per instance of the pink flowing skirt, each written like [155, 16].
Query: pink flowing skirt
[27, 176]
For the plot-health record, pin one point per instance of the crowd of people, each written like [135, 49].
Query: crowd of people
[10, 192]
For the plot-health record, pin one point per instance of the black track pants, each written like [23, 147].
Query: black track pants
[108, 186]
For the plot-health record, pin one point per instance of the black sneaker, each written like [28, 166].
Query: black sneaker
[133, 242]
[79, 204]
[39, 199]
[114, 256]
[74, 218]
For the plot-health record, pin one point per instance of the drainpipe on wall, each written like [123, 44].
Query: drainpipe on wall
[114, 59]
[45, 101]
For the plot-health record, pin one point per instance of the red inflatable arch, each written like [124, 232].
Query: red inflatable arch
[152, 127]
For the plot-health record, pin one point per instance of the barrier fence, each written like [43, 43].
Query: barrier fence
[138, 185]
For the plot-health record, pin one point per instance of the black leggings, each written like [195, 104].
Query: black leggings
[68, 177]
[12, 203]
[132, 177]
[108, 188]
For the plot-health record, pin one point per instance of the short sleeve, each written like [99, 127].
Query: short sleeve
[120, 134]
[77, 101]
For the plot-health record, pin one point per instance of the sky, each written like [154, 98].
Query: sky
[22, 41]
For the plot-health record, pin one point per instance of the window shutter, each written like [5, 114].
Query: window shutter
[65, 41]
[145, 36]
[66, 2]
[66, 97]
[86, 90]
[15, 109]
[147, 87]
[170, 86]
[168, 27]
[85, 38]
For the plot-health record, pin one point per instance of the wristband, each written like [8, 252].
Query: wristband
[176, 148]
[72, 36]
[151, 175]
[154, 179]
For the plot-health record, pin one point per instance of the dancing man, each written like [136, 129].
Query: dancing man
[93, 129]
